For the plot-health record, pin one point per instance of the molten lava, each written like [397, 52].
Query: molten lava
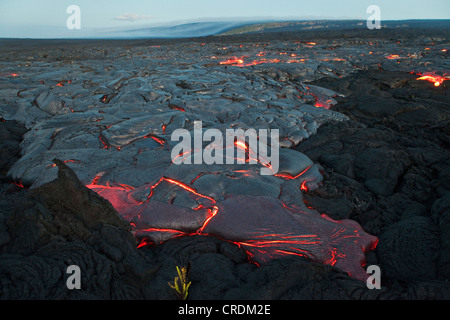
[266, 228]
[437, 80]
[233, 61]
[239, 62]
[393, 57]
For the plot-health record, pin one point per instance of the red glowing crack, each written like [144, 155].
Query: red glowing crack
[265, 227]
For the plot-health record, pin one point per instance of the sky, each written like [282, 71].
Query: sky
[47, 18]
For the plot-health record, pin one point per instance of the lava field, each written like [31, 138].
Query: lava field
[88, 175]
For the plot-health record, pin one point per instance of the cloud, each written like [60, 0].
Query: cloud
[133, 17]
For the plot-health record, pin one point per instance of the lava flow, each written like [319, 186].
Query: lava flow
[437, 80]
[233, 61]
[264, 227]
[239, 62]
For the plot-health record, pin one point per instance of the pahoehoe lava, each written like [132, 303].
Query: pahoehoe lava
[87, 176]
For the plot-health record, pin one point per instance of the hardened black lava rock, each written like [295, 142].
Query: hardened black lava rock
[388, 168]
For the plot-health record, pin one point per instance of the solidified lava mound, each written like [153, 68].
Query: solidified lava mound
[388, 168]
[362, 179]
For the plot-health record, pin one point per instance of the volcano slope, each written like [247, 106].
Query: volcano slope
[378, 164]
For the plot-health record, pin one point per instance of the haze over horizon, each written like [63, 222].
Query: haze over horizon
[47, 19]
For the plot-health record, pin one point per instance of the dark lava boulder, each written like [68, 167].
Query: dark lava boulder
[60, 224]
[380, 168]
[409, 249]
[11, 133]
[441, 214]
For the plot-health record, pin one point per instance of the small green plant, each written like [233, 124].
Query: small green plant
[181, 284]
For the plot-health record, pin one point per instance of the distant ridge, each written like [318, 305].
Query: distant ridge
[293, 26]
[224, 28]
[258, 28]
[186, 30]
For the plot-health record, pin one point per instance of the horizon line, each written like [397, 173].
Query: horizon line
[172, 24]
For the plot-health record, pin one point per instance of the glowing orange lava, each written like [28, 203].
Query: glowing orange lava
[288, 176]
[239, 62]
[437, 80]
[66, 161]
[233, 61]
[187, 188]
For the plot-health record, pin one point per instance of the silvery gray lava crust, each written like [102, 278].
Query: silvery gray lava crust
[112, 123]
[102, 114]
[108, 112]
